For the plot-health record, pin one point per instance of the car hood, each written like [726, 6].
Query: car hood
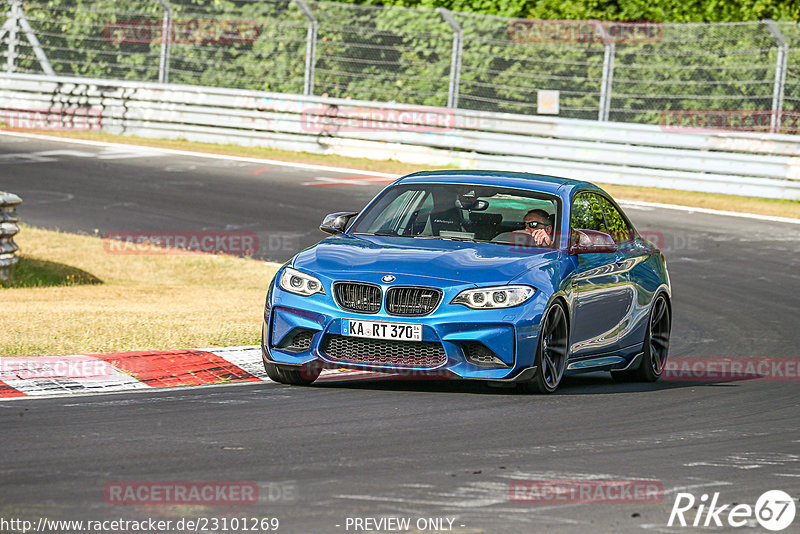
[460, 261]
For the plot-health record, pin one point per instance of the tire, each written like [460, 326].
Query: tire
[301, 376]
[655, 348]
[551, 352]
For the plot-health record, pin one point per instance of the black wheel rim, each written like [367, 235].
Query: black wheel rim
[554, 346]
[659, 335]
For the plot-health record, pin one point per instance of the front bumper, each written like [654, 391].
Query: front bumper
[506, 339]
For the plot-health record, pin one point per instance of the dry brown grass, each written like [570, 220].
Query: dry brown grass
[145, 302]
[780, 208]
[761, 206]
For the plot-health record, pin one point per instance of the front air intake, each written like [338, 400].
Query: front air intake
[383, 352]
[479, 354]
[298, 340]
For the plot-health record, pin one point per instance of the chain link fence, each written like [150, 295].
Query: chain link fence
[705, 75]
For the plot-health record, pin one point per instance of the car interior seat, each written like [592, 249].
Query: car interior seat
[485, 226]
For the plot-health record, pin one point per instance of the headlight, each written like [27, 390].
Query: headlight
[299, 283]
[494, 297]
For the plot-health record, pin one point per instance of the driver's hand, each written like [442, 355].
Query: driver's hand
[541, 237]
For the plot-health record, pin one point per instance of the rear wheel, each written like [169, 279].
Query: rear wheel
[300, 376]
[551, 355]
[656, 346]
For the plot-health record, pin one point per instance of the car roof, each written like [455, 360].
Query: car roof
[536, 182]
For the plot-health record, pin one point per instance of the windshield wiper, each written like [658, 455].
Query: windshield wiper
[471, 240]
[395, 234]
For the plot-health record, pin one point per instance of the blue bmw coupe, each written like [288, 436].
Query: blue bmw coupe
[493, 276]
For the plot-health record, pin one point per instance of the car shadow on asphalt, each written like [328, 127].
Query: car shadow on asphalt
[585, 384]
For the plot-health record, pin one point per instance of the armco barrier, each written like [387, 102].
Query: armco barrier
[741, 163]
[8, 229]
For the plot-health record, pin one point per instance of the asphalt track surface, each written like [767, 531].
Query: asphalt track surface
[377, 448]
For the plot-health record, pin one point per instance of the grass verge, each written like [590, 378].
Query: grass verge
[761, 206]
[81, 299]
[33, 272]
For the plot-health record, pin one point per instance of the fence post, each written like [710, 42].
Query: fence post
[35, 44]
[311, 47]
[8, 229]
[166, 40]
[455, 58]
[608, 72]
[13, 18]
[780, 76]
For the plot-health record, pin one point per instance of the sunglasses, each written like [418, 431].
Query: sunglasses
[536, 224]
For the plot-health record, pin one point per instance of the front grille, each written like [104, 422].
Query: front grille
[412, 301]
[364, 298]
[298, 340]
[383, 351]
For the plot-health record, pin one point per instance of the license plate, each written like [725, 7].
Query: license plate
[382, 330]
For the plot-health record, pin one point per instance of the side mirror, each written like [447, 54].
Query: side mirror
[335, 223]
[590, 242]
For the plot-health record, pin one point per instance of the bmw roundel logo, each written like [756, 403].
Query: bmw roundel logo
[388, 278]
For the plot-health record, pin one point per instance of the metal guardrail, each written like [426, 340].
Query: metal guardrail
[750, 164]
[8, 229]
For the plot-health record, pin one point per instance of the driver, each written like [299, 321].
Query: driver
[539, 225]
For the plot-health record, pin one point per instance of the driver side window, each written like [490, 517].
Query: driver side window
[587, 214]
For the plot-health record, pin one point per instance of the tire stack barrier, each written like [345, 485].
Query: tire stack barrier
[8, 229]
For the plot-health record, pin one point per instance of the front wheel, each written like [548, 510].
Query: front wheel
[656, 346]
[551, 354]
[301, 376]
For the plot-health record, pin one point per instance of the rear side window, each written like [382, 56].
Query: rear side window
[587, 214]
[617, 227]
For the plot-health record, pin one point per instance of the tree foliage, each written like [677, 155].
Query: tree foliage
[366, 52]
[629, 10]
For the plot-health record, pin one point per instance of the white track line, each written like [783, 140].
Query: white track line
[372, 173]
[770, 218]
[177, 152]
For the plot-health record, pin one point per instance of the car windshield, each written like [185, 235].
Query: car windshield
[458, 212]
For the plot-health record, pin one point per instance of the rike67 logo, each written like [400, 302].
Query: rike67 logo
[774, 510]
